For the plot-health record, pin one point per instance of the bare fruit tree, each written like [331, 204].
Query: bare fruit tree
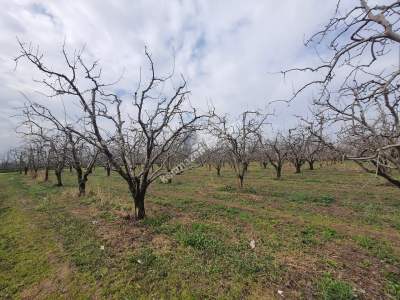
[18, 156]
[358, 84]
[83, 158]
[50, 144]
[312, 150]
[262, 157]
[241, 138]
[296, 142]
[277, 152]
[179, 158]
[34, 150]
[135, 135]
[215, 155]
[78, 153]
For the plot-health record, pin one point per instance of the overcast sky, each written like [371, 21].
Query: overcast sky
[227, 50]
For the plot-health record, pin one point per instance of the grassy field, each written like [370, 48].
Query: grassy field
[332, 233]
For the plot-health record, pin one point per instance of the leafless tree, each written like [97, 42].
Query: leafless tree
[58, 147]
[277, 151]
[296, 142]
[133, 138]
[51, 144]
[215, 155]
[77, 151]
[81, 154]
[312, 150]
[103, 161]
[15, 158]
[34, 155]
[357, 40]
[359, 84]
[179, 158]
[261, 156]
[46, 157]
[24, 159]
[7, 161]
[20, 158]
[241, 138]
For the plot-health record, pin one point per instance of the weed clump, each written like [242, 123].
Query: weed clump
[330, 288]
[227, 188]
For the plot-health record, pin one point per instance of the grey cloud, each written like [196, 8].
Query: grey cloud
[225, 49]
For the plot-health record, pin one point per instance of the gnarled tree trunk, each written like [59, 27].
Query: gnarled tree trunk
[278, 170]
[218, 170]
[138, 193]
[58, 176]
[46, 174]
[297, 165]
[240, 180]
[82, 187]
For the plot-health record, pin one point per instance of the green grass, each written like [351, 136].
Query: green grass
[22, 244]
[334, 289]
[313, 233]
[197, 236]
[303, 197]
[379, 248]
[156, 222]
[393, 284]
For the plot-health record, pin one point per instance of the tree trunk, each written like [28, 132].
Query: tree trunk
[138, 196]
[278, 172]
[218, 171]
[46, 174]
[264, 164]
[70, 168]
[140, 212]
[25, 170]
[382, 173]
[240, 179]
[59, 179]
[82, 187]
[392, 180]
[108, 169]
[311, 165]
[298, 168]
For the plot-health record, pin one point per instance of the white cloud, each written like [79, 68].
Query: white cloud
[225, 49]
